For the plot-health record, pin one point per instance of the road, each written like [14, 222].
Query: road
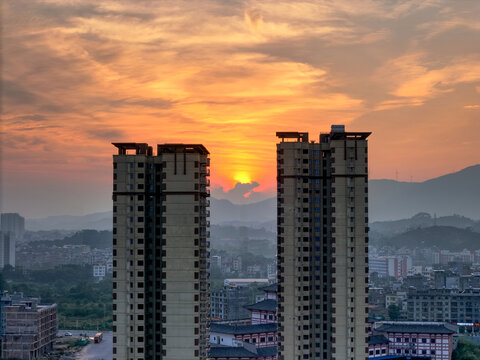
[102, 351]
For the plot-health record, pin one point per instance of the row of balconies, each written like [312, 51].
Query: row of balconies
[205, 181]
[204, 202]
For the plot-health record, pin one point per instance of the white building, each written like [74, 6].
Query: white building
[99, 272]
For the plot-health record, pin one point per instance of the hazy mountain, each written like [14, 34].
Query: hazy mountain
[456, 193]
[421, 220]
[441, 237]
[95, 221]
[223, 211]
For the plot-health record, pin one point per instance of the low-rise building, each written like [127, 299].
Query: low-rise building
[447, 305]
[263, 312]
[255, 339]
[232, 335]
[29, 330]
[431, 339]
[99, 271]
[377, 346]
[228, 303]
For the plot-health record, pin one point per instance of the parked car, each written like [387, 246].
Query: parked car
[68, 333]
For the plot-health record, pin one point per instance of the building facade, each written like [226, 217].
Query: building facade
[322, 250]
[447, 305]
[228, 303]
[378, 346]
[251, 339]
[7, 249]
[14, 224]
[160, 252]
[29, 330]
[422, 339]
[99, 272]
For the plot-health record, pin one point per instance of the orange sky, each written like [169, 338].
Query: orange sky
[79, 74]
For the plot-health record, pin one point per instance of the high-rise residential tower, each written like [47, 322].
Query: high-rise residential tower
[322, 247]
[160, 252]
[12, 230]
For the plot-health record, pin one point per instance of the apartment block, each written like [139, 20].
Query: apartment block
[7, 249]
[444, 305]
[160, 251]
[28, 329]
[228, 303]
[322, 252]
[14, 224]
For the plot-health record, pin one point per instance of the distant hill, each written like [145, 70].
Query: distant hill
[421, 220]
[223, 211]
[95, 221]
[456, 193]
[441, 237]
[229, 232]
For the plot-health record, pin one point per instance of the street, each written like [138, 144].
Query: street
[101, 351]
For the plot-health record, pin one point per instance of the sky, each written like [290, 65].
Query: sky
[80, 74]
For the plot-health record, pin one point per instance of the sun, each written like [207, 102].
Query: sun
[242, 178]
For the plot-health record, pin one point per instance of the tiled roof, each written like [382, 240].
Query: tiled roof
[267, 351]
[415, 328]
[401, 357]
[377, 340]
[232, 352]
[265, 305]
[243, 329]
[270, 288]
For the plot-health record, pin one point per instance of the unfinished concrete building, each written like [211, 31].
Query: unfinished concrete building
[322, 245]
[160, 252]
[29, 330]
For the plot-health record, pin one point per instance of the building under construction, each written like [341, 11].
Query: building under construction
[29, 329]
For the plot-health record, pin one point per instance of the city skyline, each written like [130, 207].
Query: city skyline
[80, 75]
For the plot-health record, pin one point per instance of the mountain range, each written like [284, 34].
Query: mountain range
[440, 237]
[456, 193]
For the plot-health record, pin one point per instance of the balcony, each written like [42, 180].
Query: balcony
[204, 181]
[204, 170]
[205, 223]
[205, 202]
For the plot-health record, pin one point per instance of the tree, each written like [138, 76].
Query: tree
[466, 350]
[394, 312]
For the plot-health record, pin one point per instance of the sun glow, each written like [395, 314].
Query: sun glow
[242, 178]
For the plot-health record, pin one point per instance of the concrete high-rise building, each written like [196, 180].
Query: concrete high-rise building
[14, 224]
[12, 230]
[160, 252]
[322, 250]
[7, 249]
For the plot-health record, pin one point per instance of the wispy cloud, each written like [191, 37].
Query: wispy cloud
[228, 74]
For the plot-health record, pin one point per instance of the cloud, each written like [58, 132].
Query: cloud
[107, 134]
[254, 19]
[472, 107]
[241, 193]
[227, 74]
[411, 76]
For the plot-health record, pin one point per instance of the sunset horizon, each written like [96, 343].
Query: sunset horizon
[79, 75]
